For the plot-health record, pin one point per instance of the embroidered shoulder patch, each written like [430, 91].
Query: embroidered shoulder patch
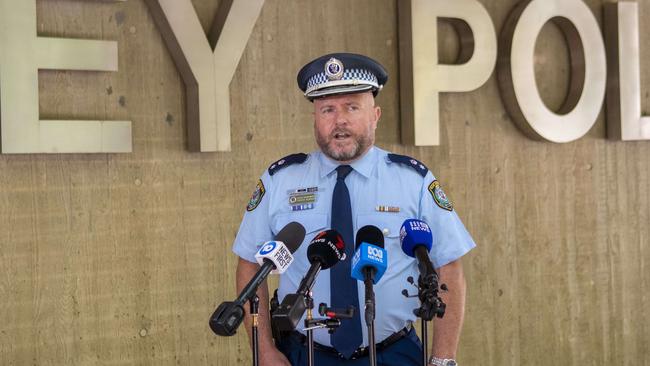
[439, 196]
[409, 161]
[256, 197]
[286, 161]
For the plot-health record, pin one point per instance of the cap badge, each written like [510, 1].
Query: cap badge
[334, 69]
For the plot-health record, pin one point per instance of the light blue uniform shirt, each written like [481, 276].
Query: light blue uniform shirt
[375, 181]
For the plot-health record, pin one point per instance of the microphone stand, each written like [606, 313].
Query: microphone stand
[254, 307]
[331, 321]
[431, 304]
[370, 318]
[310, 330]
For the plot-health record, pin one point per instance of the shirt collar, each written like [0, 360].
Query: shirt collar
[363, 165]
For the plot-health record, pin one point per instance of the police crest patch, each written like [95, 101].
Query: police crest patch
[256, 197]
[439, 196]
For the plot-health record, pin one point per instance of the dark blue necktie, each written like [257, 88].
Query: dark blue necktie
[343, 288]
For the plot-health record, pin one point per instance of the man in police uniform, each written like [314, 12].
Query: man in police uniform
[384, 189]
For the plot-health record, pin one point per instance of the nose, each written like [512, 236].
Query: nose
[341, 118]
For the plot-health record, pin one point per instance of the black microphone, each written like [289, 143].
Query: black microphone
[274, 255]
[324, 251]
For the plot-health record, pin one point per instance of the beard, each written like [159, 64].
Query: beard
[348, 150]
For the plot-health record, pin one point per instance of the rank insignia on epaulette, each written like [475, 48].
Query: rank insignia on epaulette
[409, 161]
[286, 161]
[256, 197]
[439, 196]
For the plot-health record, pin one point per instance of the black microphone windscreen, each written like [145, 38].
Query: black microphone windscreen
[327, 248]
[291, 235]
[370, 234]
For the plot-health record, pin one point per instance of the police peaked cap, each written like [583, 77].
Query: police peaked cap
[341, 73]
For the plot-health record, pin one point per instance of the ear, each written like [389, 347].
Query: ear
[377, 114]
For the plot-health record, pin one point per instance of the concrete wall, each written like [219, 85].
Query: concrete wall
[121, 258]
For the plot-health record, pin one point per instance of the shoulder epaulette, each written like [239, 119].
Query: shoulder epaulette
[286, 161]
[409, 161]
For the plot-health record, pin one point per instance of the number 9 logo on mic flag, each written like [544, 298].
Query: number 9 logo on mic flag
[268, 248]
[276, 252]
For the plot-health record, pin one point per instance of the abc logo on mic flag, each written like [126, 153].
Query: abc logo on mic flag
[276, 252]
[375, 254]
[372, 256]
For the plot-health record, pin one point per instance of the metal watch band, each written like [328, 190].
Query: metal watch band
[435, 361]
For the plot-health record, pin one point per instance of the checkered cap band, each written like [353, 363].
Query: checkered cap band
[353, 76]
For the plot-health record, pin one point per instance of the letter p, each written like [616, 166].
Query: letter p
[422, 78]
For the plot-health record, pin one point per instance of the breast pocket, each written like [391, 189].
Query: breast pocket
[390, 225]
[313, 223]
[310, 221]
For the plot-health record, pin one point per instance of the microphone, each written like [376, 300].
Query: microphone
[368, 265]
[324, 251]
[273, 256]
[416, 240]
[370, 259]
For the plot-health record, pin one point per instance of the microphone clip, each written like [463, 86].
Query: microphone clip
[405, 292]
[431, 305]
[323, 310]
[332, 320]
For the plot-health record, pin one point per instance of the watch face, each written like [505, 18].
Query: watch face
[451, 363]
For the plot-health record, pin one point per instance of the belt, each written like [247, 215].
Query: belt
[361, 351]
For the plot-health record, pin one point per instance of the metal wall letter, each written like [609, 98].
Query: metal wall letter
[206, 73]
[22, 54]
[624, 120]
[516, 69]
[422, 78]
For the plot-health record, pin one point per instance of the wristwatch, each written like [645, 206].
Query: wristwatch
[435, 361]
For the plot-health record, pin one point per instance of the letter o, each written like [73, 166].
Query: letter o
[516, 69]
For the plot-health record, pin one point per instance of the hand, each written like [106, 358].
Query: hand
[273, 357]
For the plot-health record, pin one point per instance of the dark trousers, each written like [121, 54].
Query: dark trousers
[405, 352]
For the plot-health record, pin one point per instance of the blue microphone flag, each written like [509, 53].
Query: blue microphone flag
[369, 255]
[414, 233]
